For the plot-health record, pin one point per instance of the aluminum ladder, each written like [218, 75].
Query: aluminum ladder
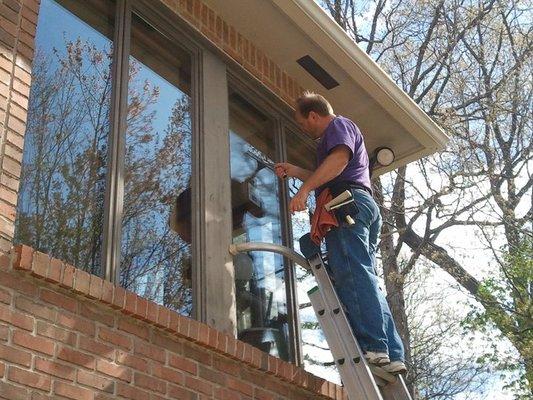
[361, 380]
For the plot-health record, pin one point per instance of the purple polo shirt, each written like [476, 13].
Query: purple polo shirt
[342, 131]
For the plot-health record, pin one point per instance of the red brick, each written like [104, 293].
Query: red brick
[169, 343]
[183, 364]
[240, 386]
[119, 298]
[203, 334]
[194, 329]
[94, 347]
[95, 287]
[4, 333]
[107, 292]
[42, 345]
[95, 381]
[131, 392]
[174, 323]
[108, 335]
[41, 262]
[5, 296]
[260, 394]
[2, 369]
[149, 351]
[136, 329]
[55, 369]
[180, 393]
[55, 271]
[151, 383]
[163, 317]
[39, 396]
[222, 342]
[7, 195]
[167, 374]
[67, 280]
[38, 310]
[72, 392]
[23, 257]
[56, 333]
[15, 356]
[212, 376]
[59, 300]
[114, 370]
[228, 366]
[198, 385]
[151, 312]
[82, 281]
[197, 354]
[76, 357]
[76, 323]
[16, 318]
[130, 303]
[132, 361]
[7, 210]
[95, 313]
[28, 378]
[141, 307]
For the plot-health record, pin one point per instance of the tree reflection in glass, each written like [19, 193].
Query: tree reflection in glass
[61, 197]
[156, 262]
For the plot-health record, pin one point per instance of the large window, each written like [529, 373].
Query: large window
[63, 181]
[259, 276]
[107, 157]
[155, 260]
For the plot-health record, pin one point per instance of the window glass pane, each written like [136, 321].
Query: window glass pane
[60, 209]
[260, 284]
[156, 259]
[316, 354]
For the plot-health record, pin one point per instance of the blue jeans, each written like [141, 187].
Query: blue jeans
[352, 261]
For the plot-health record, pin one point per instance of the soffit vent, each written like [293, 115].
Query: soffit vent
[317, 72]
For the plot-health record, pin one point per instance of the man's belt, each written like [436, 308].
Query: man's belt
[339, 187]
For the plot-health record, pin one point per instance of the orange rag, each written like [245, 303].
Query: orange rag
[322, 220]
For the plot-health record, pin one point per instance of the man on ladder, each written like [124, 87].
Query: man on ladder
[343, 164]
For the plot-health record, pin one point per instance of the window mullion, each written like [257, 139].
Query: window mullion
[118, 113]
[290, 276]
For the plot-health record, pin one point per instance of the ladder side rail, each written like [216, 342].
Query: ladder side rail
[358, 382]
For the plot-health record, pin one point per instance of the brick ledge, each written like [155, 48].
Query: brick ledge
[24, 258]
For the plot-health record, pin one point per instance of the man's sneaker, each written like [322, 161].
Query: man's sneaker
[379, 359]
[395, 368]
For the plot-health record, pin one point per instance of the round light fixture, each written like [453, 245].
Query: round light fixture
[384, 156]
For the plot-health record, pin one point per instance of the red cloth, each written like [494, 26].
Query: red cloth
[322, 220]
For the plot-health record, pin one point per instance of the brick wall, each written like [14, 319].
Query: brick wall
[18, 19]
[66, 333]
[238, 47]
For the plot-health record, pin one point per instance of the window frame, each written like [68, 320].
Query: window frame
[114, 197]
[238, 79]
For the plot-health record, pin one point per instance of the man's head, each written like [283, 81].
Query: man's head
[313, 114]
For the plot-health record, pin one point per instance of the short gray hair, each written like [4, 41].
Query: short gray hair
[310, 101]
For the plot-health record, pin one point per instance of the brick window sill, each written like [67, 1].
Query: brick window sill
[23, 258]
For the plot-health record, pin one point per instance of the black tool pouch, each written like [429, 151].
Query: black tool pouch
[349, 209]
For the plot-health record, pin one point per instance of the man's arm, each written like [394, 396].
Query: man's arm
[329, 169]
[286, 169]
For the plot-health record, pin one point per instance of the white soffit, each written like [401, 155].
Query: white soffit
[287, 30]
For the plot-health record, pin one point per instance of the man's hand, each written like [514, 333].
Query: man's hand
[284, 170]
[299, 202]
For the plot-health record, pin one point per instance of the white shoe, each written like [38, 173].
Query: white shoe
[379, 359]
[395, 368]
